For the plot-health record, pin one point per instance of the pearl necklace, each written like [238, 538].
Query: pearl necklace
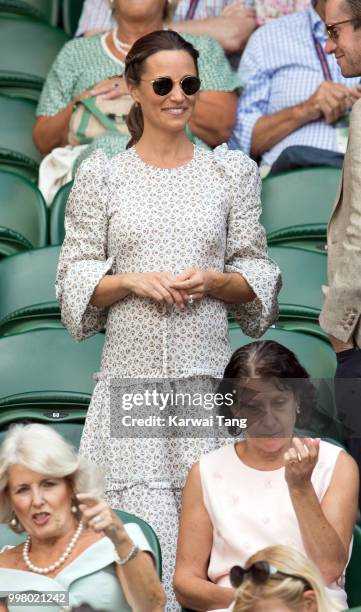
[64, 556]
[121, 46]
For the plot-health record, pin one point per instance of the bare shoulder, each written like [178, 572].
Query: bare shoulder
[11, 557]
[346, 467]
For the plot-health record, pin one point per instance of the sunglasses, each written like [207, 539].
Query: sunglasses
[164, 85]
[259, 573]
[332, 30]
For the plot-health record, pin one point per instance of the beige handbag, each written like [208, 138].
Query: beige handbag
[94, 117]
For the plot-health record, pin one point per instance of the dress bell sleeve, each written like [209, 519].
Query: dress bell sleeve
[83, 259]
[246, 248]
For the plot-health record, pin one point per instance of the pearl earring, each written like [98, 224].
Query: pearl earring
[298, 409]
[14, 521]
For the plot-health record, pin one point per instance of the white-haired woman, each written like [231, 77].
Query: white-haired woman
[280, 579]
[75, 542]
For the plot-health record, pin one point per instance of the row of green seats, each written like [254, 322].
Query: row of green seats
[62, 13]
[27, 280]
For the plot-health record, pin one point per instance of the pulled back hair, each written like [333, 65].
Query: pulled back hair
[144, 47]
[267, 359]
[290, 590]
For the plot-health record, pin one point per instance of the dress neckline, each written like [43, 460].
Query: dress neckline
[188, 164]
[237, 458]
[108, 51]
[70, 565]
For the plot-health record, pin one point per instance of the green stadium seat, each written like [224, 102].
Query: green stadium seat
[297, 204]
[43, 10]
[57, 213]
[27, 290]
[48, 369]
[17, 150]
[353, 582]
[27, 51]
[68, 424]
[303, 274]
[71, 15]
[23, 214]
[9, 538]
[318, 358]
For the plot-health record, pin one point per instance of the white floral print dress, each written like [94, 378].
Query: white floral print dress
[124, 215]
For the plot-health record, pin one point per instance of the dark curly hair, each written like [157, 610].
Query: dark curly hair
[267, 359]
[144, 47]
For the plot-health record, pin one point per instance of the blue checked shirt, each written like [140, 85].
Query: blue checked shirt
[280, 68]
[96, 14]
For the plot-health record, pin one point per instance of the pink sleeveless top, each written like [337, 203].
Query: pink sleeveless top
[251, 509]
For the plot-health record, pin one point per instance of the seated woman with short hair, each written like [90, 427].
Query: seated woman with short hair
[280, 579]
[269, 488]
[75, 542]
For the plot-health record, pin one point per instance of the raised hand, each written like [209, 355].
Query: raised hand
[300, 461]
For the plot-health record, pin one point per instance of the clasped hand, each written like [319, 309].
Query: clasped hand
[165, 288]
[300, 461]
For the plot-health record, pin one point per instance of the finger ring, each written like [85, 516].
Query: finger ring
[115, 85]
[97, 519]
[191, 300]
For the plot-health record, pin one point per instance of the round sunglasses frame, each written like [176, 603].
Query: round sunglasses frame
[157, 83]
[259, 573]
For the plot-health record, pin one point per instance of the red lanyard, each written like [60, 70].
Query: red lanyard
[192, 9]
[321, 55]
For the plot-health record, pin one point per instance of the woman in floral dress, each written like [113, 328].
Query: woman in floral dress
[162, 241]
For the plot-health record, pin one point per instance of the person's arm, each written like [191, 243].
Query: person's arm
[231, 29]
[56, 101]
[152, 285]
[191, 585]
[329, 101]
[52, 131]
[343, 296]
[214, 116]
[326, 527]
[140, 583]
[215, 110]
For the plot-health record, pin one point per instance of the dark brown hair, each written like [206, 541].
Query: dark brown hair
[144, 47]
[267, 359]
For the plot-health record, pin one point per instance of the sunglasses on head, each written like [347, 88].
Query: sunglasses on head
[164, 85]
[259, 573]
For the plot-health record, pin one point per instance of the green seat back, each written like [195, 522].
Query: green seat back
[44, 10]
[57, 213]
[69, 426]
[27, 289]
[23, 214]
[17, 150]
[27, 51]
[48, 367]
[9, 538]
[353, 573]
[297, 204]
[71, 14]
[303, 274]
[306, 326]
